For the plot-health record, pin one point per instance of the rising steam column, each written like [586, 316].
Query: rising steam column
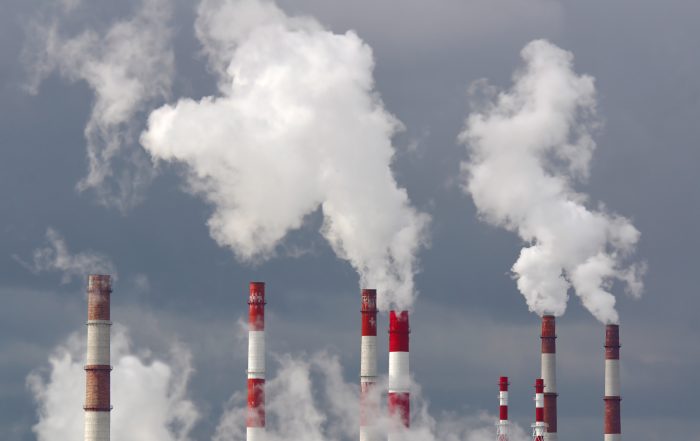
[540, 427]
[549, 375]
[368, 364]
[613, 429]
[399, 379]
[255, 421]
[502, 425]
[97, 369]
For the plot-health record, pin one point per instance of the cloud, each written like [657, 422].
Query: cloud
[127, 65]
[56, 257]
[148, 394]
[297, 127]
[527, 147]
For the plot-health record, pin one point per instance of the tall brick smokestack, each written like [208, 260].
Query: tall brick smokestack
[549, 375]
[502, 426]
[368, 364]
[255, 421]
[97, 369]
[613, 429]
[399, 377]
[540, 427]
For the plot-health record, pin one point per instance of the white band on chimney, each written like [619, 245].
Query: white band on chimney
[98, 342]
[368, 358]
[96, 426]
[549, 372]
[255, 434]
[503, 398]
[615, 437]
[399, 378]
[256, 354]
[612, 378]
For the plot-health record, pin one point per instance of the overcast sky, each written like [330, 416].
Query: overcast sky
[177, 286]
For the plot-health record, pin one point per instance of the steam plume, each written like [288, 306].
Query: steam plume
[127, 65]
[296, 127]
[527, 148]
[149, 395]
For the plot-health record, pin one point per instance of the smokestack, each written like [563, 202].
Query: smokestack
[97, 369]
[399, 380]
[613, 430]
[368, 363]
[255, 421]
[502, 426]
[540, 427]
[549, 375]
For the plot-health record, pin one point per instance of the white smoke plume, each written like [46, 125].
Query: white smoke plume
[127, 65]
[527, 147]
[297, 127]
[148, 394]
[56, 257]
[308, 400]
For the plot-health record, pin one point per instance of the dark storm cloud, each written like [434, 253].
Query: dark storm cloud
[643, 56]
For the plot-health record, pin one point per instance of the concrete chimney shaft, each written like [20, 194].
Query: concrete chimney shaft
[549, 375]
[368, 365]
[613, 429]
[255, 421]
[399, 377]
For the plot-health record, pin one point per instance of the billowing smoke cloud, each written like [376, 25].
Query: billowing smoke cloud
[148, 394]
[308, 400]
[56, 257]
[296, 127]
[128, 65]
[527, 147]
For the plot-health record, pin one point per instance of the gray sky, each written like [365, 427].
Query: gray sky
[470, 323]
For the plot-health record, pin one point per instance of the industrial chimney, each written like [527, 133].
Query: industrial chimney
[613, 429]
[368, 364]
[97, 369]
[549, 375]
[540, 427]
[255, 421]
[399, 379]
[502, 426]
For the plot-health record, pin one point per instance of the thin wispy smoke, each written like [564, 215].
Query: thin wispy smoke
[149, 394]
[527, 148]
[128, 65]
[308, 399]
[57, 257]
[297, 127]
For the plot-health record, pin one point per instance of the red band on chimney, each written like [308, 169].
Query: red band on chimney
[99, 289]
[612, 342]
[369, 312]
[256, 403]
[550, 411]
[97, 388]
[612, 416]
[256, 300]
[400, 404]
[398, 331]
[549, 335]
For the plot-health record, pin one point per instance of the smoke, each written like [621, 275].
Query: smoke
[527, 147]
[127, 65]
[57, 257]
[148, 394]
[297, 127]
[309, 400]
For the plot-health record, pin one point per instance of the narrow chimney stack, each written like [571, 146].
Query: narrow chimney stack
[549, 375]
[255, 421]
[368, 364]
[399, 377]
[613, 429]
[98, 368]
[540, 427]
[502, 427]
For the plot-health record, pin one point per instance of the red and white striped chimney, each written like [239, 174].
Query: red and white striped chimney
[368, 364]
[97, 369]
[399, 377]
[502, 426]
[255, 421]
[540, 427]
[613, 429]
[549, 375]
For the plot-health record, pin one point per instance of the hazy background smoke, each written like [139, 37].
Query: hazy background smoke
[127, 64]
[527, 147]
[297, 126]
[56, 257]
[148, 394]
[307, 399]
